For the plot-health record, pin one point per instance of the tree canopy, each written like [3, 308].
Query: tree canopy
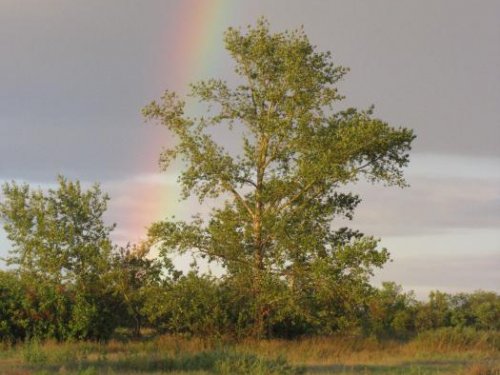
[282, 192]
[58, 235]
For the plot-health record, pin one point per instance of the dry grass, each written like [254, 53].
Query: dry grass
[436, 353]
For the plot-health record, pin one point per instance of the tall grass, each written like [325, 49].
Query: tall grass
[162, 355]
[445, 351]
[445, 340]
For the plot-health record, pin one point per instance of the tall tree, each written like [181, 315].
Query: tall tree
[283, 190]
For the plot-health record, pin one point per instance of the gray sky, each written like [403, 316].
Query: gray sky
[74, 75]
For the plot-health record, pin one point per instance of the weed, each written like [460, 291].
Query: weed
[33, 352]
[246, 364]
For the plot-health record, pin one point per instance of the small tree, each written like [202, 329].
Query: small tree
[58, 235]
[136, 277]
[285, 187]
[62, 251]
[391, 312]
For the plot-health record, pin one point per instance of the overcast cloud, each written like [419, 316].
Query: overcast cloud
[74, 75]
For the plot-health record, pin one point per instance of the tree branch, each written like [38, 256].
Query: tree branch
[238, 197]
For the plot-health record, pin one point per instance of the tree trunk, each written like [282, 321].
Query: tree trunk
[137, 326]
[259, 268]
[260, 308]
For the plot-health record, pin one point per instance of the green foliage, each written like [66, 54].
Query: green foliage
[391, 312]
[31, 309]
[484, 309]
[58, 236]
[284, 188]
[436, 313]
[191, 304]
[62, 251]
[95, 315]
[137, 280]
[12, 317]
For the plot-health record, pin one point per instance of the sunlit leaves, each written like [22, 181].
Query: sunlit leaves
[283, 191]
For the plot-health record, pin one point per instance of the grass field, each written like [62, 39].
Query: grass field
[434, 353]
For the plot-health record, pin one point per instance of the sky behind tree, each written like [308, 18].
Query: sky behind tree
[75, 74]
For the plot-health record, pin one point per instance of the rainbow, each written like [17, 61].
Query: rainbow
[198, 31]
[200, 26]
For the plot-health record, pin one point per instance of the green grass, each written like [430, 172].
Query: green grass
[441, 352]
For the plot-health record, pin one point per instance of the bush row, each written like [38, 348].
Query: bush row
[201, 305]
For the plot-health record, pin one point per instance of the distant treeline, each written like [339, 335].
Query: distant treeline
[68, 281]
